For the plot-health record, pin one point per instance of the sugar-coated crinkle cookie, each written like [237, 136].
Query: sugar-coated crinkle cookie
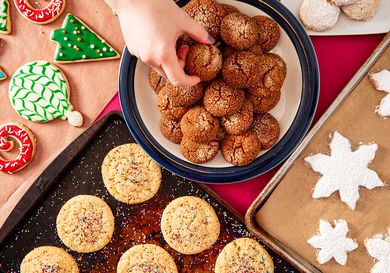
[318, 15]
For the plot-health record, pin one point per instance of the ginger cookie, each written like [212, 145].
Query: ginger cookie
[199, 152]
[171, 130]
[157, 82]
[244, 255]
[227, 51]
[269, 32]
[241, 70]
[266, 102]
[362, 10]
[221, 99]
[239, 31]
[130, 174]
[166, 107]
[267, 129]
[190, 225]
[204, 61]
[230, 9]
[207, 13]
[241, 150]
[85, 223]
[199, 125]
[274, 72]
[239, 122]
[48, 259]
[146, 258]
[319, 15]
[183, 96]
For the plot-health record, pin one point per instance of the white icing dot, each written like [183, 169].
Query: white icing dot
[84, 56]
[82, 27]
[104, 48]
[111, 49]
[75, 32]
[92, 46]
[74, 46]
[103, 41]
[65, 38]
[61, 54]
[70, 45]
[101, 54]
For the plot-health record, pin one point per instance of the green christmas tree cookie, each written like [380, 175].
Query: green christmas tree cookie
[78, 43]
[5, 20]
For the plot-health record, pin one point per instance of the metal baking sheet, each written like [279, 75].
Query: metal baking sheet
[77, 171]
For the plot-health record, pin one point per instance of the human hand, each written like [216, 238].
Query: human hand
[151, 29]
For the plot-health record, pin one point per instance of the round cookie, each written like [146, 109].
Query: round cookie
[230, 9]
[207, 13]
[204, 61]
[273, 74]
[171, 130]
[244, 255]
[183, 96]
[239, 122]
[227, 51]
[241, 70]
[166, 107]
[362, 10]
[266, 102]
[190, 225]
[343, 2]
[199, 125]
[198, 152]
[131, 175]
[239, 31]
[184, 39]
[85, 223]
[157, 82]
[269, 32]
[146, 258]
[221, 99]
[48, 259]
[318, 15]
[267, 129]
[241, 150]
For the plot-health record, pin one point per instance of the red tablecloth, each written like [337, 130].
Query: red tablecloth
[339, 59]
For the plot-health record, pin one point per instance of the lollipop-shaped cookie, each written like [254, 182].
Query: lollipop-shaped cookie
[39, 92]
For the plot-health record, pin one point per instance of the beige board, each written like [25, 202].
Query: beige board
[292, 216]
[92, 85]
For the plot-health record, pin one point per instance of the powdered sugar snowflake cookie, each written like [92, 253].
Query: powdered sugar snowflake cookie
[381, 81]
[333, 242]
[379, 248]
[344, 170]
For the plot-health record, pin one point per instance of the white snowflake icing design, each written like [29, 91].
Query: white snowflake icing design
[344, 170]
[333, 242]
[379, 248]
[381, 81]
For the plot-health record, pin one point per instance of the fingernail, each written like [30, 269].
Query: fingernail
[211, 39]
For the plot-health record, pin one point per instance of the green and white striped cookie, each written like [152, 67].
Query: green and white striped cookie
[40, 92]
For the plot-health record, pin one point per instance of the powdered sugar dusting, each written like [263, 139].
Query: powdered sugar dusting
[379, 248]
[319, 15]
[381, 82]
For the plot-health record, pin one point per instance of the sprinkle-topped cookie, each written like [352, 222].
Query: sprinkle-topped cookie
[146, 258]
[85, 223]
[244, 255]
[48, 259]
[190, 225]
[130, 174]
[79, 43]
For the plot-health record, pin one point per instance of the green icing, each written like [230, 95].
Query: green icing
[39, 92]
[77, 42]
[4, 8]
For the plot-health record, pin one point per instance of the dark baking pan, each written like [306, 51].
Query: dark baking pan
[77, 171]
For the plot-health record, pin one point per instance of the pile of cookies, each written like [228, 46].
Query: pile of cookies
[189, 225]
[240, 83]
[321, 15]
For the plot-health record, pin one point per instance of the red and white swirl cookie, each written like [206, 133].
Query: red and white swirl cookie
[40, 16]
[9, 133]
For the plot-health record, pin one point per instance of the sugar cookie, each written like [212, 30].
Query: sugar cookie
[3, 76]
[130, 174]
[40, 16]
[319, 15]
[5, 18]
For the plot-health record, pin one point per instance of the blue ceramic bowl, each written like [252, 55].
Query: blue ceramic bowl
[294, 112]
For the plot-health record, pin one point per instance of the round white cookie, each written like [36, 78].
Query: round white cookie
[318, 15]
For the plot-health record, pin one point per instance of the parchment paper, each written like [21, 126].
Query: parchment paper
[92, 84]
[291, 214]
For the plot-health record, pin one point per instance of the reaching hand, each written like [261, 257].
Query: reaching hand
[151, 29]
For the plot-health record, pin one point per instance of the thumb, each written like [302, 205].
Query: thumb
[197, 32]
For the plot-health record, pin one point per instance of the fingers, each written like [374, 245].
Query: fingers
[176, 74]
[196, 31]
[182, 54]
